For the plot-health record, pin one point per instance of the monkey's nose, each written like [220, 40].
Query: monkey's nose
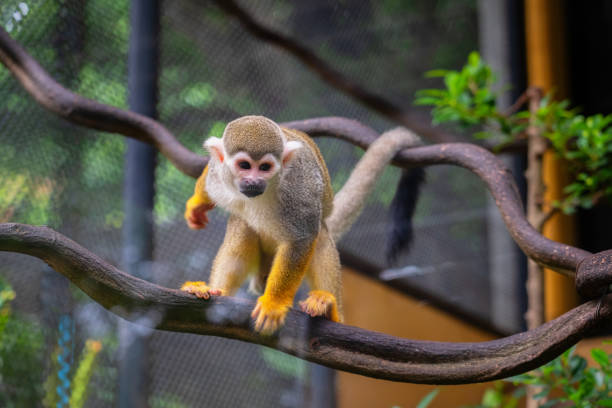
[252, 188]
[252, 192]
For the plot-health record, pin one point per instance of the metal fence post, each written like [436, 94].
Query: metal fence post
[138, 194]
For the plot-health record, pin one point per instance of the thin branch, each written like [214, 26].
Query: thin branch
[520, 101]
[540, 222]
[318, 340]
[408, 118]
[536, 146]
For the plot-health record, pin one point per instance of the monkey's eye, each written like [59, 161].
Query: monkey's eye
[245, 165]
[265, 167]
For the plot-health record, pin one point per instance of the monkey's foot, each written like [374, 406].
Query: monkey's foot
[269, 315]
[321, 303]
[200, 289]
[196, 216]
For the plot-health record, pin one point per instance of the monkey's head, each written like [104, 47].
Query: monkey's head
[254, 151]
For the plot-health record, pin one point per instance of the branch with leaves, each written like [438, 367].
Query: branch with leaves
[585, 142]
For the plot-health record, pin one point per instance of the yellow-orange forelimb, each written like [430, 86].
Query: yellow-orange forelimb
[199, 204]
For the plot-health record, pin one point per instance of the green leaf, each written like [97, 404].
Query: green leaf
[436, 73]
[427, 399]
[474, 58]
[577, 365]
[492, 398]
[606, 402]
[600, 356]
[425, 101]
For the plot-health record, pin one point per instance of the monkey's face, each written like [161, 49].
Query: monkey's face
[251, 176]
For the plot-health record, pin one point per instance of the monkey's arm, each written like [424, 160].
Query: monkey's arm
[288, 269]
[199, 204]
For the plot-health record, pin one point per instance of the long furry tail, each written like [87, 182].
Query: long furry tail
[350, 200]
[402, 209]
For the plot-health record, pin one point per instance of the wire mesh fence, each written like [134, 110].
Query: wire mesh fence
[212, 71]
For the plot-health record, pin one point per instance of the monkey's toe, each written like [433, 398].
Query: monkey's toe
[200, 289]
[321, 303]
[269, 317]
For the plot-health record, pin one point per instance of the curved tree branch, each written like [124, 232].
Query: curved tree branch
[412, 120]
[318, 340]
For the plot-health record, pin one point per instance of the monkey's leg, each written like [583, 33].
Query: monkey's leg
[199, 204]
[290, 263]
[238, 256]
[325, 279]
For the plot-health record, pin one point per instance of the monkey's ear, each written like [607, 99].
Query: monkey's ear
[215, 146]
[290, 148]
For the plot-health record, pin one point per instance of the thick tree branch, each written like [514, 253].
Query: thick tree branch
[318, 340]
[408, 118]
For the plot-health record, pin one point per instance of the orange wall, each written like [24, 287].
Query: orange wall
[374, 306]
[546, 68]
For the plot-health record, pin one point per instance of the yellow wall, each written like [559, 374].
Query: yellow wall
[372, 305]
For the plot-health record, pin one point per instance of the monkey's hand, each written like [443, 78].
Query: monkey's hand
[200, 289]
[269, 314]
[321, 303]
[195, 212]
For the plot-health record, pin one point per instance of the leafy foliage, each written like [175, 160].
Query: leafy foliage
[21, 341]
[498, 397]
[566, 381]
[469, 101]
[570, 382]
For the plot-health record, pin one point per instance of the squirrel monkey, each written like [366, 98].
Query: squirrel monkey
[275, 185]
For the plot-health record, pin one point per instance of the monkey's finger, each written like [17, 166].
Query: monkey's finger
[256, 310]
[194, 224]
[203, 294]
[259, 322]
[305, 307]
[269, 326]
[274, 322]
